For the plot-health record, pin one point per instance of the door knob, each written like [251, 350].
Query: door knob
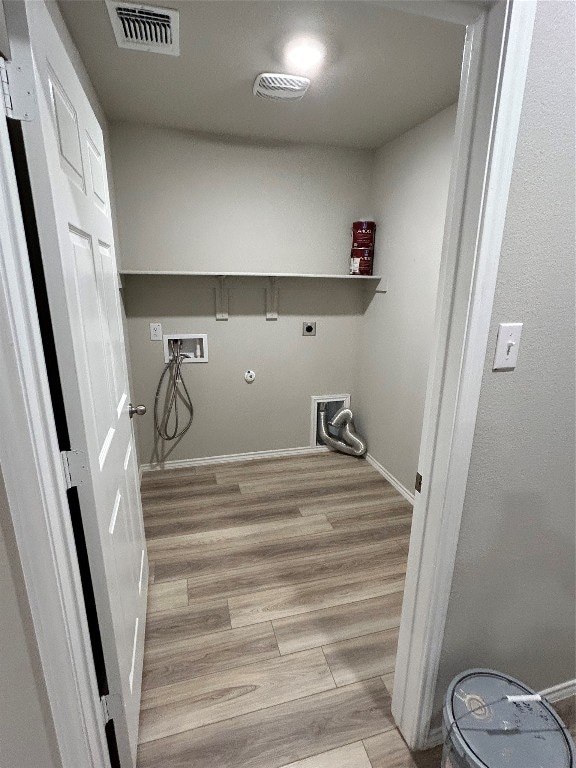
[140, 410]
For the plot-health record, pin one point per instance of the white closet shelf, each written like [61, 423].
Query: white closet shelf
[221, 297]
[180, 273]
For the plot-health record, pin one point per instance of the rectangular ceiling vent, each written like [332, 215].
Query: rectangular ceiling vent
[144, 28]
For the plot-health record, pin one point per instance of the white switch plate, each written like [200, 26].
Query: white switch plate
[156, 331]
[507, 346]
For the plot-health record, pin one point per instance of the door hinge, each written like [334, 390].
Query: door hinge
[111, 705]
[74, 466]
[66, 468]
[105, 709]
[18, 94]
[418, 483]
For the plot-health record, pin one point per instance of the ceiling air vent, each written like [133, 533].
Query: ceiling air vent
[144, 28]
[269, 85]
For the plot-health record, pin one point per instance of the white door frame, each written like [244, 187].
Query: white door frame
[35, 486]
[473, 236]
[496, 54]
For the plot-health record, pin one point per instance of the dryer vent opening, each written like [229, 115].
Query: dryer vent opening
[333, 404]
[332, 409]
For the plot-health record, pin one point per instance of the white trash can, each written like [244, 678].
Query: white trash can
[484, 730]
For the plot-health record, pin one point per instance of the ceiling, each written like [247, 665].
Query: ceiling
[386, 70]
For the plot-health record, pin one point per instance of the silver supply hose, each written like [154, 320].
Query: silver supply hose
[177, 391]
[351, 442]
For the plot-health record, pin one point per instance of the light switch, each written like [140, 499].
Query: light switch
[156, 331]
[507, 346]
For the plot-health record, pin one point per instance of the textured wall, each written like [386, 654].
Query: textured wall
[4, 43]
[164, 210]
[411, 178]
[232, 416]
[187, 202]
[198, 203]
[512, 605]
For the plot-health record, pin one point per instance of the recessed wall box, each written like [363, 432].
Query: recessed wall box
[194, 346]
[333, 404]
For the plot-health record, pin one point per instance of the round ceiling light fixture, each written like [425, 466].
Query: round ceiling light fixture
[304, 55]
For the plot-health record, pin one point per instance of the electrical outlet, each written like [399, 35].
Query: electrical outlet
[156, 331]
[309, 328]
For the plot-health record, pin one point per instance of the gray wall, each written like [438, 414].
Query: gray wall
[199, 203]
[4, 42]
[190, 202]
[232, 416]
[512, 605]
[27, 738]
[303, 199]
[411, 179]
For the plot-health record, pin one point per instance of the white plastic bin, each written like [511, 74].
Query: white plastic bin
[484, 730]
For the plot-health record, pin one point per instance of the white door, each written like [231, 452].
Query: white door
[65, 151]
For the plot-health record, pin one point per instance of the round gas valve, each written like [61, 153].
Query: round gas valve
[249, 376]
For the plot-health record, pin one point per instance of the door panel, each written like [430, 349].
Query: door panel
[67, 162]
[67, 131]
[97, 175]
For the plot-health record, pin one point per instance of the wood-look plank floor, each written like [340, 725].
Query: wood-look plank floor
[273, 614]
[567, 711]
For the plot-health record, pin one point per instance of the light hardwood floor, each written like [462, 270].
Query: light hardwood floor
[275, 597]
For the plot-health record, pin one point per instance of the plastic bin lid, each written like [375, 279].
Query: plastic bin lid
[500, 734]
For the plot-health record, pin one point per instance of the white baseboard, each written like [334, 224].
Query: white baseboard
[391, 479]
[277, 454]
[435, 737]
[552, 695]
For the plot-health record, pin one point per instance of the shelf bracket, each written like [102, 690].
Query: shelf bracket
[272, 299]
[381, 286]
[221, 298]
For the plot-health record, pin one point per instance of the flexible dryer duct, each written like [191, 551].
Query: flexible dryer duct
[350, 442]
